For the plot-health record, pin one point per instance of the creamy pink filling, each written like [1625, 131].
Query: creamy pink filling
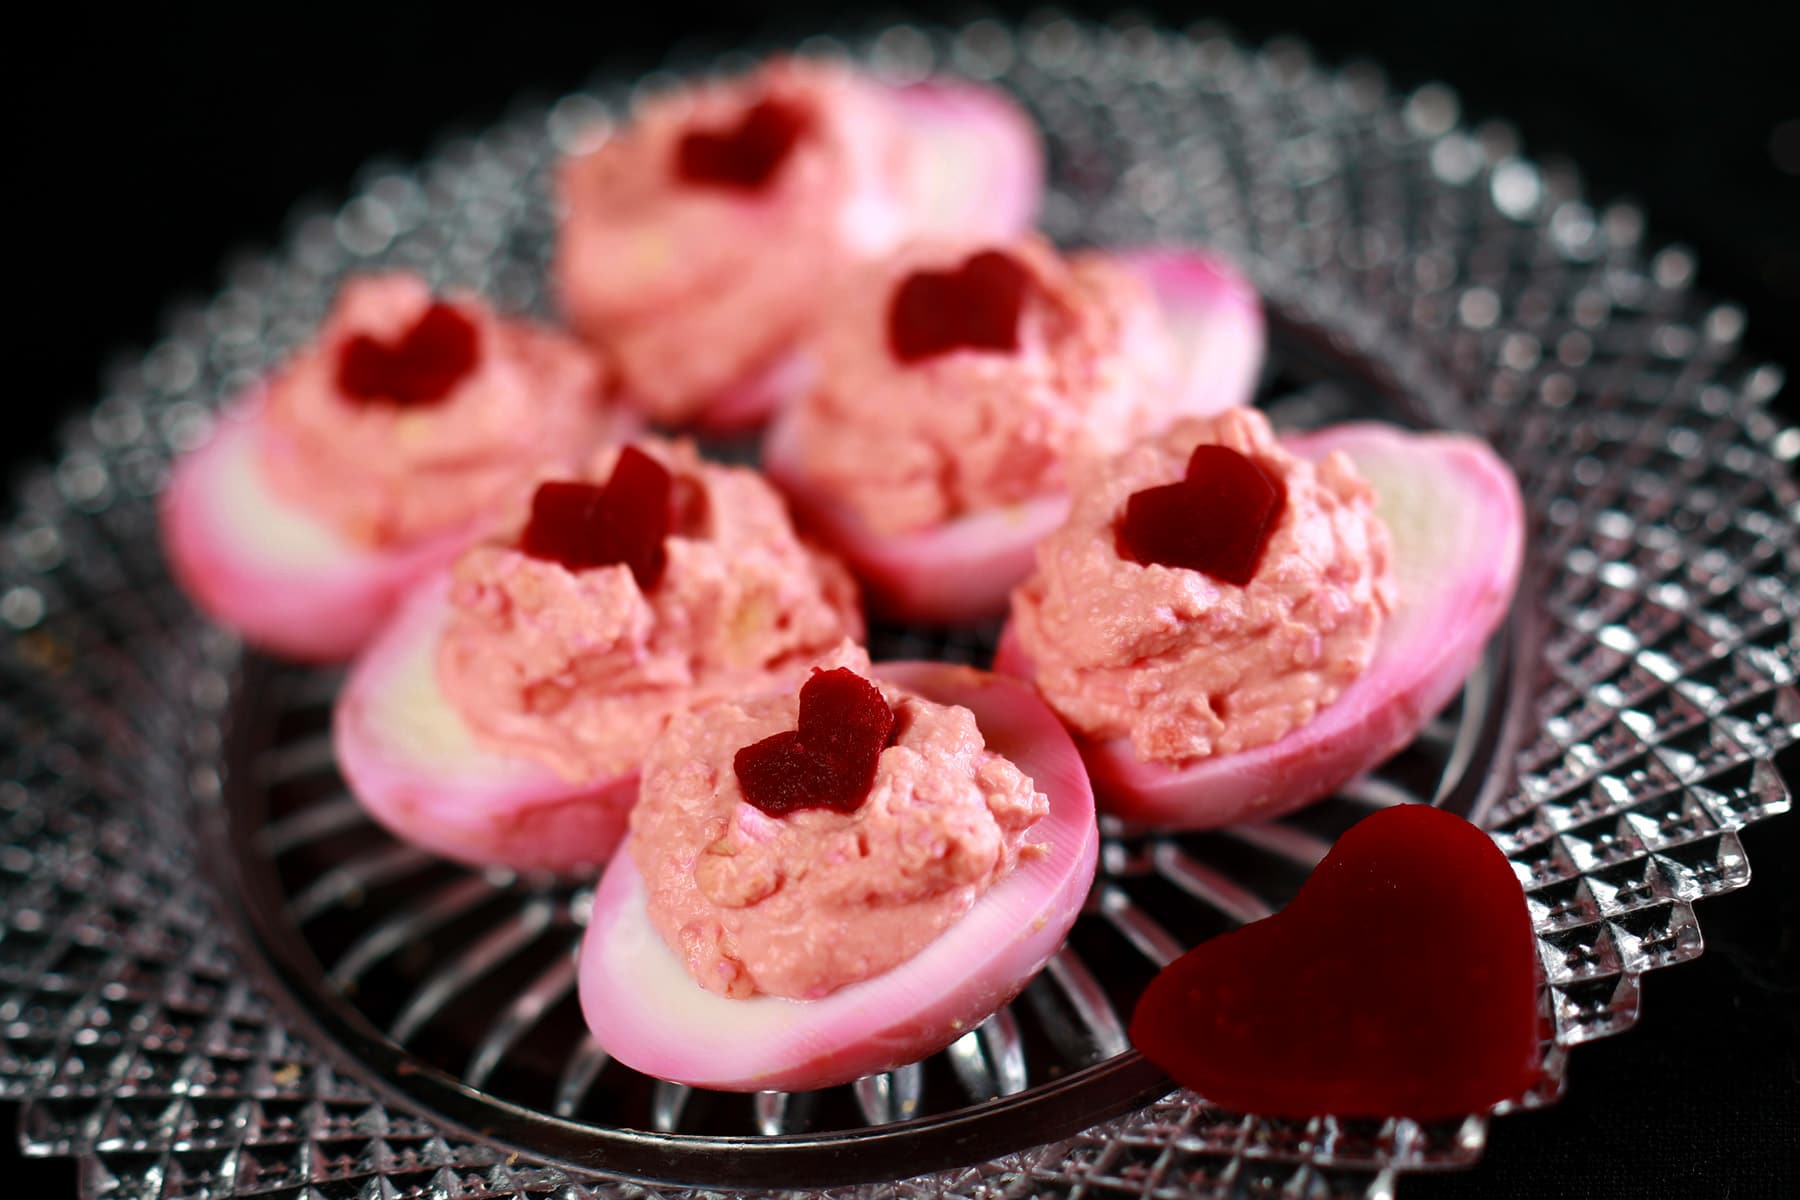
[807, 903]
[1186, 666]
[693, 286]
[579, 669]
[907, 445]
[388, 475]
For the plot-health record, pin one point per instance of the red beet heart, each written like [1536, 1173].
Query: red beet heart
[746, 156]
[1217, 520]
[1401, 981]
[420, 369]
[829, 760]
[974, 307]
[584, 525]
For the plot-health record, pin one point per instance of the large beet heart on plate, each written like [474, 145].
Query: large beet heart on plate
[1458, 528]
[645, 1010]
[1401, 981]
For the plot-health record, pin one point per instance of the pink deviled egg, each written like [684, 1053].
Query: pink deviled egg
[369, 458]
[957, 383]
[1234, 625]
[502, 716]
[820, 887]
[698, 239]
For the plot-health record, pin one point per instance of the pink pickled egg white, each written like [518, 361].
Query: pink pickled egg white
[281, 578]
[1458, 527]
[979, 170]
[414, 764]
[647, 1012]
[1217, 319]
[964, 569]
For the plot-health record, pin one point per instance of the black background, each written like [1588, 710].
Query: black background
[145, 147]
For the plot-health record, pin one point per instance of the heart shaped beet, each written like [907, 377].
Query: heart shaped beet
[582, 525]
[1400, 981]
[1217, 519]
[829, 759]
[747, 155]
[974, 307]
[417, 370]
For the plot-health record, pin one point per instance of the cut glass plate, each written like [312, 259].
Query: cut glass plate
[218, 979]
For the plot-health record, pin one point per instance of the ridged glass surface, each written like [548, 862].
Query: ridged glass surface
[218, 979]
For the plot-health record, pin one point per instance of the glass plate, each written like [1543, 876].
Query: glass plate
[218, 979]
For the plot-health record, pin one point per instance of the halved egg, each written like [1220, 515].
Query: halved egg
[963, 569]
[646, 1011]
[1457, 524]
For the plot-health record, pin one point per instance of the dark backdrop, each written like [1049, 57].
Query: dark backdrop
[144, 147]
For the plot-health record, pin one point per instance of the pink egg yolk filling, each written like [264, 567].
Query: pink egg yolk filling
[1209, 593]
[654, 581]
[893, 818]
